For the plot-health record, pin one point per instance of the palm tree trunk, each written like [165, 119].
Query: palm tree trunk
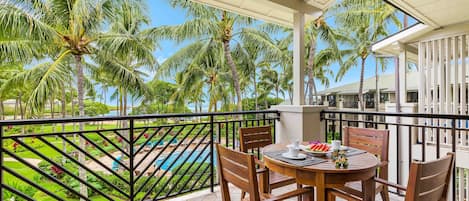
[255, 91]
[16, 108]
[21, 111]
[81, 112]
[234, 73]
[277, 89]
[360, 91]
[52, 112]
[310, 67]
[2, 117]
[20, 97]
[72, 98]
[64, 113]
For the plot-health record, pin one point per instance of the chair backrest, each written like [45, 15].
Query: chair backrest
[374, 141]
[254, 137]
[237, 168]
[429, 181]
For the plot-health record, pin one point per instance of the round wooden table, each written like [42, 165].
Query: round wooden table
[362, 167]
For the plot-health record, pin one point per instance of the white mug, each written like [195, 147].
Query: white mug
[296, 144]
[335, 144]
[293, 151]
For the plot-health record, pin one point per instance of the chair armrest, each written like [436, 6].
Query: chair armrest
[290, 194]
[259, 162]
[383, 164]
[262, 170]
[387, 183]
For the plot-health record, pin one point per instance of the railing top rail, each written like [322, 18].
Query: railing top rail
[129, 117]
[401, 114]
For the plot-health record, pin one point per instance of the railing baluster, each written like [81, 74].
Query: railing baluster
[398, 152]
[1, 163]
[453, 149]
[227, 139]
[212, 176]
[410, 144]
[340, 126]
[424, 144]
[325, 127]
[233, 127]
[438, 142]
[131, 159]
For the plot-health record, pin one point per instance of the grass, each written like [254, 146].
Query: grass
[36, 177]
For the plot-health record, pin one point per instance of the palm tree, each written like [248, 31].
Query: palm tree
[368, 21]
[69, 28]
[209, 73]
[270, 79]
[317, 67]
[134, 51]
[216, 29]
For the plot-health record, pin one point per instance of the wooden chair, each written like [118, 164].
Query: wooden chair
[253, 138]
[373, 141]
[428, 181]
[239, 169]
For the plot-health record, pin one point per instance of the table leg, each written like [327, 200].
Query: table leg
[320, 187]
[369, 189]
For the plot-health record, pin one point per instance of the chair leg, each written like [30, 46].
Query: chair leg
[300, 197]
[243, 195]
[330, 196]
[384, 194]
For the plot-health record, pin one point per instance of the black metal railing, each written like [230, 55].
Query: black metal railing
[145, 157]
[423, 136]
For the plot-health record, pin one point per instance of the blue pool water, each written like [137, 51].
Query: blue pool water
[191, 158]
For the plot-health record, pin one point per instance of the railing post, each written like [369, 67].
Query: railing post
[1, 163]
[453, 149]
[212, 179]
[131, 159]
[340, 126]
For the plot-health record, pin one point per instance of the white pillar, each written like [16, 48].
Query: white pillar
[402, 75]
[298, 58]
[403, 142]
[299, 122]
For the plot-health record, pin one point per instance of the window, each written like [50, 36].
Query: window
[412, 97]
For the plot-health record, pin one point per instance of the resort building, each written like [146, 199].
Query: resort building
[346, 96]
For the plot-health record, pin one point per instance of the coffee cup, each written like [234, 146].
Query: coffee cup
[335, 144]
[296, 144]
[293, 151]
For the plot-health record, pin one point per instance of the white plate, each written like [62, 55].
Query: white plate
[345, 148]
[298, 157]
[316, 153]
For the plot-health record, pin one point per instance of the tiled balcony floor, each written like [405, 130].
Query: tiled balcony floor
[206, 195]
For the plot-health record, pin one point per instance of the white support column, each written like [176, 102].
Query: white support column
[462, 123]
[402, 74]
[298, 58]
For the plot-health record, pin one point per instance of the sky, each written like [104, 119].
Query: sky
[161, 13]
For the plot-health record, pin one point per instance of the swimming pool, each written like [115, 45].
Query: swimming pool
[191, 158]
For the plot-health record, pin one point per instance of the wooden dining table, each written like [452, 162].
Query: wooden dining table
[324, 175]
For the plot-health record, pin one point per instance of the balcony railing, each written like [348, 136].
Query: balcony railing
[117, 158]
[413, 136]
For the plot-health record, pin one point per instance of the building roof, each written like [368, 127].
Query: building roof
[438, 18]
[273, 11]
[435, 13]
[386, 84]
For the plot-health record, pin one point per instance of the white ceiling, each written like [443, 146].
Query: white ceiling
[436, 13]
[273, 11]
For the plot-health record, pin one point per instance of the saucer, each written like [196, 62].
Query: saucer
[300, 156]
